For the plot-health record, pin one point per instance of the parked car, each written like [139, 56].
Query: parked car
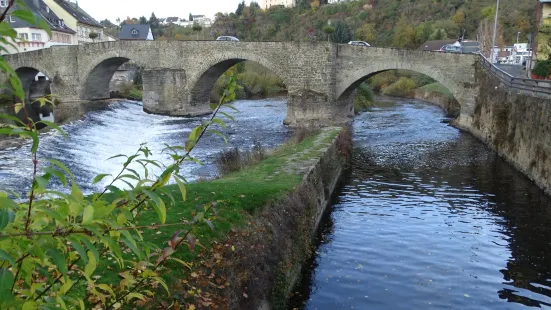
[227, 38]
[451, 48]
[358, 43]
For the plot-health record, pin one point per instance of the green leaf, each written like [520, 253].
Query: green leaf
[182, 187]
[5, 256]
[91, 247]
[34, 136]
[57, 173]
[219, 121]
[91, 265]
[117, 156]
[62, 167]
[194, 135]
[5, 218]
[131, 243]
[6, 202]
[75, 243]
[55, 126]
[58, 259]
[88, 215]
[100, 177]
[18, 107]
[158, 205]
[25, 15]
[227, 115]
[6, 283]
[218, 133]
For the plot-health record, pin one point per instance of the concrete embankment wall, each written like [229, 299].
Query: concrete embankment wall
[449, 105]
[270, 252]
[516, 126]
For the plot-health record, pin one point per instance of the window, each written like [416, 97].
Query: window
[23, 36]
[37, 37]
[3, 3]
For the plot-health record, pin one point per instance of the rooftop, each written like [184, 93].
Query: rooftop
[134, 32]
[42, 11]
[78, 13]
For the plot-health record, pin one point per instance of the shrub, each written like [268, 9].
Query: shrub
[233, 160]
[402, 88]
[363, 98]
[542, 68]
[382, 80]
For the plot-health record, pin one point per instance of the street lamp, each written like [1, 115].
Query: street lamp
[495, 31]
[518, 33]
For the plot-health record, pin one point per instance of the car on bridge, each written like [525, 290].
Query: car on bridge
[359, 43]
[227, 38]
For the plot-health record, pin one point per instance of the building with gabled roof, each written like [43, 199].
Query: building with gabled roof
[78, 20]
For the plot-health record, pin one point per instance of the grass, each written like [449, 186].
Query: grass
[242, 192]
[437, 88]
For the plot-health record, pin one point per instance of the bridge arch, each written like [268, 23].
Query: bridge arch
[202, 80]
[451, 107]
[98, 74]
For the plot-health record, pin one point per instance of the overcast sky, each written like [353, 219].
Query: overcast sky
[111, 9]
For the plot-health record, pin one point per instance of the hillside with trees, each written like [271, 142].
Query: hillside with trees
[396, 23]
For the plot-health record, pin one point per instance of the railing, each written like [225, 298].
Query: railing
[531, 87]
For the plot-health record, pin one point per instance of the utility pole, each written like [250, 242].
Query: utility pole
[518, 33]
[495, 32]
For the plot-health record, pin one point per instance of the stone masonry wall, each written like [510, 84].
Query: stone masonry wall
[516, 126]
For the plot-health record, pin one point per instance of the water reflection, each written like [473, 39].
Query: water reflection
[429, 219]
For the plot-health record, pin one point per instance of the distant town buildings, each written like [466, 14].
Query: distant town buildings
[202, 20]
[266, 4]
[516, 54]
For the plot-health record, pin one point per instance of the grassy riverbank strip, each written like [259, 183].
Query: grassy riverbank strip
[241, 195]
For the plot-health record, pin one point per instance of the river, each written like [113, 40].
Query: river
[429, 218]
[123, 126]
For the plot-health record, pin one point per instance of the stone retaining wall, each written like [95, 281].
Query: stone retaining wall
[449, 105]
[270, 252]
[516, 126]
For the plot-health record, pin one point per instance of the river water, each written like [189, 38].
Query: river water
[429, 218]
[123, 126]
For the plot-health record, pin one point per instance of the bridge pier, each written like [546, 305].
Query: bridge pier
[306, 108]
[164, 92]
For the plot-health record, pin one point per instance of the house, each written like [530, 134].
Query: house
[31, 37]
[78, 20]
[199, 19]
[171, 20]
[136, 32]
[266, 4]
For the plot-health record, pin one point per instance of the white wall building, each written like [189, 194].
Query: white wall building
[266, 4]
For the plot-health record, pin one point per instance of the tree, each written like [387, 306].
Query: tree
[190, 17]
[342, 33]
[459, 18]
[303, 5]
[197, 28]
[142, 20]
[404, 34]
[439, 34]
[93, 35]
[328, 30]
[240, 8]
[423, 32]
[155, 25]
[365, 33]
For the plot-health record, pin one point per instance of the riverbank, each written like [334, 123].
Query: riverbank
[438, 95]
[267, 217]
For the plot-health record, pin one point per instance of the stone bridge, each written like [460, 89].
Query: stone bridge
[178, 76]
